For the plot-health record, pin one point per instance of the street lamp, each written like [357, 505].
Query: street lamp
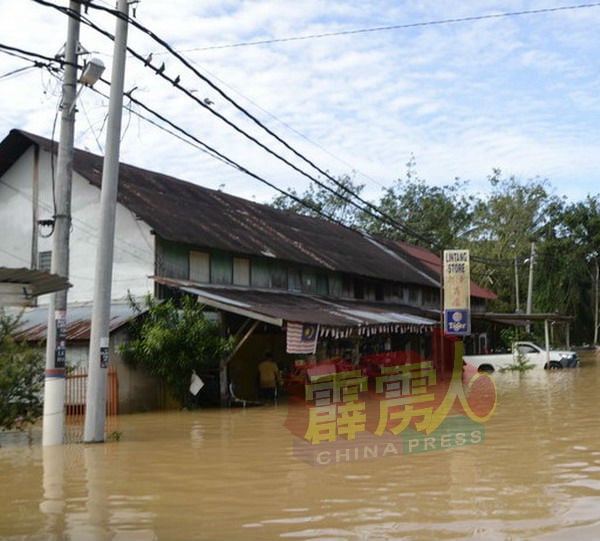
[91, 73]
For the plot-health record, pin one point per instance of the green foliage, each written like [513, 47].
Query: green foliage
[21, 378]
[498, 227]
[171, 339]
[439, 215]
[568, 263]
[333, 203]
[520, 364]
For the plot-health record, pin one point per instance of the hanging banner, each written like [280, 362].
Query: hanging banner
[457, 292]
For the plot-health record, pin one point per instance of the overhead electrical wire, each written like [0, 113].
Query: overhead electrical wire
[16, 71]
[200, 145]
[381, 216]
[371, 210]
[204, 146]
[405, 26]
[29, 56]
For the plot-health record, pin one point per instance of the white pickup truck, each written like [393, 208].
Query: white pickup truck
[531, 353]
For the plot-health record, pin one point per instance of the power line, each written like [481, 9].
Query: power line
[455, 20]
[380, 216]
[27, 55]
[175, 82]
[222, 157]
[203, 146]
[16, 71]
[218, 155]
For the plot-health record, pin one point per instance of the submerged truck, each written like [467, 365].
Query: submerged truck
[527, 351]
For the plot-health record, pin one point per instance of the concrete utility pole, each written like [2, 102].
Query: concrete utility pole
[54, 382]
[530, 284]
[95, 412]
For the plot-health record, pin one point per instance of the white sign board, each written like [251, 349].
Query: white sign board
[457, 292]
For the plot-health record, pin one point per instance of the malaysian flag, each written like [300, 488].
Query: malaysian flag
[302, 337]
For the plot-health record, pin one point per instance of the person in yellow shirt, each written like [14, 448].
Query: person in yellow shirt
[268, 378]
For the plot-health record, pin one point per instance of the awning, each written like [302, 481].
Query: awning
[336, 318]
[19, 286]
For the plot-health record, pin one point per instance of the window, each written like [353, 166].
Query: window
[347, 287]
[294, 279]
[309, 281]
[431, 297]
[221, 269]
[241, 271]
[414, 296]
[322, 284]
[261, 273]
[199, 267]
[359, 289]
[334, 285]
[279, 276]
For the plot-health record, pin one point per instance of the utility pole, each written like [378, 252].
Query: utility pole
[517, 300]
[95, 412]
[530, 285]
[54, 375]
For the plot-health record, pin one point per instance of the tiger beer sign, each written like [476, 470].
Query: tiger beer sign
[457, 292]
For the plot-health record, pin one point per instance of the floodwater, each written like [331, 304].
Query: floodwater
[234, 475]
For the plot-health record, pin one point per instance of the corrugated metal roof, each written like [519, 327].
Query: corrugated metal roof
[37, 282]
[185, 212]
[434, 263]
[34, 321]
[278, 307]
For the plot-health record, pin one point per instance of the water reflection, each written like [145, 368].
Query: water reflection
[232, 475]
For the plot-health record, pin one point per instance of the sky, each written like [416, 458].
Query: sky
[359, 88]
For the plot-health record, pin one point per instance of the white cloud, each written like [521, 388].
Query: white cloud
[518, 92]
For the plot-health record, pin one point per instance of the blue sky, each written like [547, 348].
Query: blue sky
[519, 92]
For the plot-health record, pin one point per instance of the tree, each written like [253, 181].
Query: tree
[428, 216]
[171, 340]
[505, 222]
[412, 211]
[569, 266]
[21, 377]
[334, 203]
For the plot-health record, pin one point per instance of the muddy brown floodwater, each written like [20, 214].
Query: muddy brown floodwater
[234, 475]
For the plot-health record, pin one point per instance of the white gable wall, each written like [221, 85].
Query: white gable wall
[134, 244]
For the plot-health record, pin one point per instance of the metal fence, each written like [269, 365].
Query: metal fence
[75, 399]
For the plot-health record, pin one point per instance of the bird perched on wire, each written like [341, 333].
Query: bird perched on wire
[176, 81]
[207, 101]
[148, 60]
[161, 69]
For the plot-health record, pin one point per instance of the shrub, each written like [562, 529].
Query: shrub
[21, 378]
[171, 339]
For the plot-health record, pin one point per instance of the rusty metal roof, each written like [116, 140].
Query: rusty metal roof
[34, 321]
[185, 212]
[188, 213]
[277, 307]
